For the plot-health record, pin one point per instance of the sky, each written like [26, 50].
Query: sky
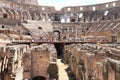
[62, 3]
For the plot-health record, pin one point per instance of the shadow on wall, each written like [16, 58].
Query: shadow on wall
[39, 78]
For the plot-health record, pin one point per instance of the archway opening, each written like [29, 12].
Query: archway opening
[113, 39]
[5, 15]
[39, 78]
[60, 49]
[56, 35]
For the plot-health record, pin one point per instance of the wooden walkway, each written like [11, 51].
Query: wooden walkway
[55, 42]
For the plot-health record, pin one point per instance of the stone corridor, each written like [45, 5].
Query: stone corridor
[62, 73]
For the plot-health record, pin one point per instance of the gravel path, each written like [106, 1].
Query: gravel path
[62, 73]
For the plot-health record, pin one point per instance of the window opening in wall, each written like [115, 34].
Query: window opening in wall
[28, 33]
[68, 20]
[49, 19]
[2, 26]
[43, 15]
[43, 19]
[43, 8]
[68, 9]
[56, 18]
[39, 27]
[94, 8]
[113, 39]
[114, 4]
[57, 35]
[106, 12]
[80, 15]
[4, 15]
[32, 18]
[107, 5]
[62, 20]
[37, 17]
[72, 20]
[4, 4]
[81, 8]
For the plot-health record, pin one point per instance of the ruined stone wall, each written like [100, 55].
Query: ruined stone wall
[11, 62]
[67, 14]
[91, 21]
[91, 62]
[88, 31]
[21, 62]
[39, 60]
[32, 2]
[40, 63]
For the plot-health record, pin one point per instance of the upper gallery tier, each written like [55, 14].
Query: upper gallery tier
[12, 9]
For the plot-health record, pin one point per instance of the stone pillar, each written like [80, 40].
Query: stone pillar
[68, 33]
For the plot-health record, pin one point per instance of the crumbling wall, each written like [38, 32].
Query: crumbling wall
[90, 62]
[37, 61]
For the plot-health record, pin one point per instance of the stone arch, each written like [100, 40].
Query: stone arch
[81, 70]
[3, 13]
[11, 14]
[57, 34]
[16, 15]
[111, 64]
[39, 78]
[26, 15]
[7, 13]
[44, 16]
[72, 19]
[36, 16]
[32, 15]
[113, 38]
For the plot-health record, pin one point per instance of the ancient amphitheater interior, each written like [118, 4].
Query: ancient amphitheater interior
[75, 43]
